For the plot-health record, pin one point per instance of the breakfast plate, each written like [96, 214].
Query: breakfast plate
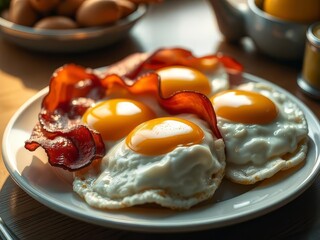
[232, 203]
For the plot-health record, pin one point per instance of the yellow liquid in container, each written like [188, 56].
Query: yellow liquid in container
[306, 11]
[309, 80]
[311, 65]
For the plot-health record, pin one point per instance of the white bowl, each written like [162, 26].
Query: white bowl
[75, 40]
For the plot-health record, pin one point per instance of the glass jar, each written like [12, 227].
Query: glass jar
[309, 81]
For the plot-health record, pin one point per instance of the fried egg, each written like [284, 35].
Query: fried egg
[177, 78]
[174, 162]
[115, 118]
[263, 130]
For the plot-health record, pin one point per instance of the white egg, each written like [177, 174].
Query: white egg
[178, 179]
[257, 151]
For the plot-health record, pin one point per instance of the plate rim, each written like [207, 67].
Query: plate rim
[145, 225]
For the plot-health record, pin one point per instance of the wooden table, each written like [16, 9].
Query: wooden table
[190, 24]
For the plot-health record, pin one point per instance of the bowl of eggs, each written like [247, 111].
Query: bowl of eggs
[70, 25]
[278, 28]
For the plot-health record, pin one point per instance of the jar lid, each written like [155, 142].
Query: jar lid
[313, 34]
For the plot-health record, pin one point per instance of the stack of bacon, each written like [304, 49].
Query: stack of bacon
[73, 89]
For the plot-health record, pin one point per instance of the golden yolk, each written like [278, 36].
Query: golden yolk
[244, 107]
[162, 135]
[178, 78]
[115, 118]
[306, 11]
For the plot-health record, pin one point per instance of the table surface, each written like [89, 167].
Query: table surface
[190, 24]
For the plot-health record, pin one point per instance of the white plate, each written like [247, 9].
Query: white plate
[231, 204]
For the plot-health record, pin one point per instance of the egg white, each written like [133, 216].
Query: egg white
[178, 180]
[255, 152]
[218, 79]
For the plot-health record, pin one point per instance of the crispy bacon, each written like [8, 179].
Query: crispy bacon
[192, 102]
[71, 82]
[71, 149]
[73, 89]
[177, 56]
[67, 143]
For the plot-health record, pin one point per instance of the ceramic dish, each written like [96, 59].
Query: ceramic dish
[231, 204]
[75, 40]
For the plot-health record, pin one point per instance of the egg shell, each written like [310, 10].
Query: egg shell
[56, 22]
[127, 7]
[98, 12]
[44, 6]
[68, 7]
[21, 12]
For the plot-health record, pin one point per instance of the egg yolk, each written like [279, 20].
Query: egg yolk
[244, 107]
[178, 78]
[162, 135]
[306, 11]
[115, 118]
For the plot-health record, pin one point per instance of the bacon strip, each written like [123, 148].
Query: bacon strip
[71, 149]
[177, 56]
[67, 143]
[70, 82]
[192, 102]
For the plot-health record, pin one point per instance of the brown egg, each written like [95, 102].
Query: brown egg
[127, 7]
[56, 22]
[68, 7]
[21, 12]
[98, 12]
[44, 6]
